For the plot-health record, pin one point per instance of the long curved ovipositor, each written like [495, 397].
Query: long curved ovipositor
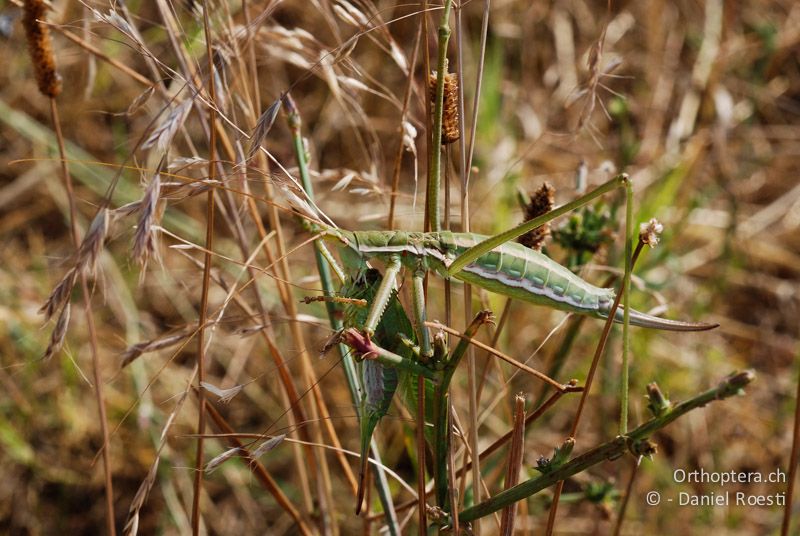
[512, 270]
[637, 318]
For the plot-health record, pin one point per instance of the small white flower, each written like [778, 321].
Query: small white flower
[650, 231]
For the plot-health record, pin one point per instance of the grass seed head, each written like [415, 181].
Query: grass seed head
[41, 49]
[59, 333]
[541, 202]
[451, 127]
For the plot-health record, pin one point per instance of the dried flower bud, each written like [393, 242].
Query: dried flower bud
[40, 48]
[541, 202]
[644, 447]
[659, 404]
[451, 128]
[650, 231]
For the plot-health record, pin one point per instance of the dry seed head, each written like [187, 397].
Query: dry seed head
[132, 523]
[224, 395]
[41, 48]
[541, 202]
[650, 231]
[267, 445]
[144, 242]
[92, 244]
[451, 128]
[222, 458]
[60, 295]
[59, 333]
[133, 352]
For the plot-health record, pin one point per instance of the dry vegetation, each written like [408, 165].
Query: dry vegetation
[698, 102]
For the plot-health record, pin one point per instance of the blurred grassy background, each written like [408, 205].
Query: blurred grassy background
[702, 111]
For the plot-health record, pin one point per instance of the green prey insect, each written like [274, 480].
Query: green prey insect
[511, 270]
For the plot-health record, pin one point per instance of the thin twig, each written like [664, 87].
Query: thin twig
[626, 499]
[601, 345]
[87, 303]
[207, 260]
[730, 386]
[501, 355]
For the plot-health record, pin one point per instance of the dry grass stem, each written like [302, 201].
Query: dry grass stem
[514, 463]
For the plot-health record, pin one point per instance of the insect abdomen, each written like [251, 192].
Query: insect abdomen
[519, 272]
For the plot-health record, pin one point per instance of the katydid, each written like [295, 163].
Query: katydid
[511, 269]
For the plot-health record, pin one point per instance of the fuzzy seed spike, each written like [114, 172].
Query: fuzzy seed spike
[451, 127]
[40, 48]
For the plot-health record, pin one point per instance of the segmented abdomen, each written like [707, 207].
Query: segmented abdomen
[520, 272]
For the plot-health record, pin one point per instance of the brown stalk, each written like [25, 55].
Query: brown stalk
[297, 337]
[291, 391]
[514, 463]
[464, 169]
[99, 54]
[626, 498]
[501, 355]
[49, 83]
[495, 338]
[287, 379]
[210, 216]
[530, 418]
[401, 146]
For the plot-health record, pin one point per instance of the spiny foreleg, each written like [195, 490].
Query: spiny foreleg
[382, 295]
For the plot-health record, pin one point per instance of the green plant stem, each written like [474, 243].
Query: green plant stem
[442, 413]
[348, 364]
[610, 450]
[587, 388]
[625, 376]
[490, 243]
[435, 170]
[625, 379]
